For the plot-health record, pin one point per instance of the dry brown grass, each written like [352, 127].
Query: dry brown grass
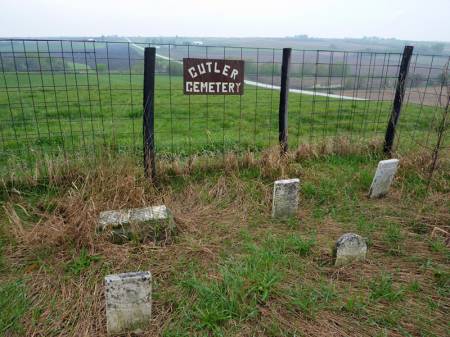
[211, 211]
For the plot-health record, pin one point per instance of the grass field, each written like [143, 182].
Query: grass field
[231, 270]
[81, 113]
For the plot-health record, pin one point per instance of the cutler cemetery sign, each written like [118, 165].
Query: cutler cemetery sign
[213, 77]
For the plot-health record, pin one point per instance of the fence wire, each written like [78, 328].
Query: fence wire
[82, 98]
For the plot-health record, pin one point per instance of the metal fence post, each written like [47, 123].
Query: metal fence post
[398, 100]
[284, 92]
[149, 114]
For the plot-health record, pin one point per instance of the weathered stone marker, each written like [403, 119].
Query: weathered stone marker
[285, 198]
[383, 178]
[155, 222]
[128, 302]
[349, 247]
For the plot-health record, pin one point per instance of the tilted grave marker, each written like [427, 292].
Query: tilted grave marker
[383, 178]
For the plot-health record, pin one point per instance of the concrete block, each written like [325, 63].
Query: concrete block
[155, 222]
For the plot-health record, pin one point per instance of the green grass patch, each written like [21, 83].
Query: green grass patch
[393, 238]
[309, 299]
[243, 284]
[81, 262]
[382, 288]
[13, 305]
[355, 305]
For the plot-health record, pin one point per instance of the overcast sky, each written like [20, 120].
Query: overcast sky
[403, 19]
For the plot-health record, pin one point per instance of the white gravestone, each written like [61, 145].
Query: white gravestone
[285, 198]
[349, 247]
[142, 222]
[123, 217]
[383, 178]
[128, 302]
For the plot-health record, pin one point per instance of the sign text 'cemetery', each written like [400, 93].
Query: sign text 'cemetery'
[213, 77]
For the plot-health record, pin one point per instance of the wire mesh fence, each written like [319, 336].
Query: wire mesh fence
[81, 98]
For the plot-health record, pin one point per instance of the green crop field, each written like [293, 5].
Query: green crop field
[84, 112]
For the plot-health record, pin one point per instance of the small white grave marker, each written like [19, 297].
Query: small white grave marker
[128, 302]
[285, 198]
[383, 178]
[349, 247]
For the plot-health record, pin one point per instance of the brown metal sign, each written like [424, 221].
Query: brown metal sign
[213, 77]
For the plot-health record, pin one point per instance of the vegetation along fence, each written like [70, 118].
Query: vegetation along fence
[78, 98]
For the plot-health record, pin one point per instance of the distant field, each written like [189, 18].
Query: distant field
[303, 42]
